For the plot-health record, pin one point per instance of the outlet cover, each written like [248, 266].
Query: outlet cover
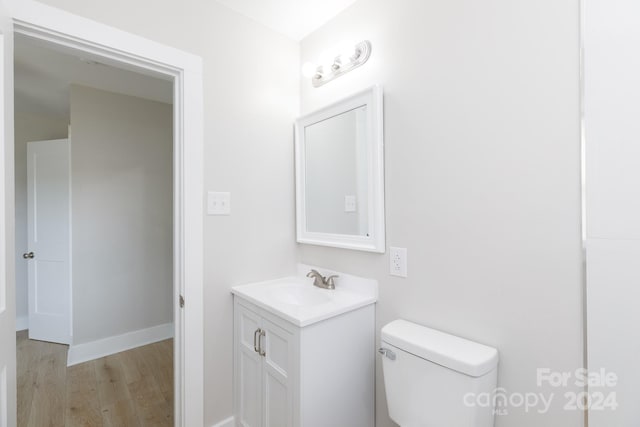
[398, 262]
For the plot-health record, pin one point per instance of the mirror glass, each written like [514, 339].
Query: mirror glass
[336, 174]
[340, 174]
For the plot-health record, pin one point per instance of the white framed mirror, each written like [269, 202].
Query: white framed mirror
[340, 174]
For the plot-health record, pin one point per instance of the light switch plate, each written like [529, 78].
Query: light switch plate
[398, 262]
[218, 203]
[349, 203]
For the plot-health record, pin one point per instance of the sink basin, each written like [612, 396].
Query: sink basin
[299, 295]
[296, 300]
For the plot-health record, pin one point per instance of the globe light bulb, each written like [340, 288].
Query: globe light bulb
[346, 52]
[309, 69]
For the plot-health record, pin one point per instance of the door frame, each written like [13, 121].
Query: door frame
[112, 46]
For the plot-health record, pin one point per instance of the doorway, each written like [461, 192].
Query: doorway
[93, 166]
[98, 215]
[110, 46]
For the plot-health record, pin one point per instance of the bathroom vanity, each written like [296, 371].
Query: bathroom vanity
[305, 356]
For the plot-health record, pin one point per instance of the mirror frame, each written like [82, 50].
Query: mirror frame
[371, 98]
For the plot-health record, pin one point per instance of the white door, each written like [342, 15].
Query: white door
[277, 374]
[248, 368]
[7, 251]
[49, 197]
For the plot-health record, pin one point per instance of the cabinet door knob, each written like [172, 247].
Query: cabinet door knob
[28, 255]
[255, 340]
[262, 351]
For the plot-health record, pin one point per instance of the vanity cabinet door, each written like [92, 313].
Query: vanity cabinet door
[248, 368]
[265, 368]
[277, 375]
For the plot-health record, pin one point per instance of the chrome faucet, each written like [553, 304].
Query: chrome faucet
[322, 282]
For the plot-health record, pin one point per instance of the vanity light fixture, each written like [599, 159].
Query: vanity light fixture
[342, 64]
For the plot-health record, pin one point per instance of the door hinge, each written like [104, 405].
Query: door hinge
[181, 301]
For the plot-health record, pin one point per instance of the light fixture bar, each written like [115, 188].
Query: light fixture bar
[342, 64]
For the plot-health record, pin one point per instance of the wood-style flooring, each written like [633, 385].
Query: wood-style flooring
[129, 389]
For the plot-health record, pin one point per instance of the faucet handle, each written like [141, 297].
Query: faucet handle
[329, 281]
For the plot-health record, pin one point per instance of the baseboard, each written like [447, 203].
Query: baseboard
[22, 323]
[104, 347]
[229, 422]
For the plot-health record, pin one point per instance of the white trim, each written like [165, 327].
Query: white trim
[22, 323]
[7, 228]
[117, 47]
[375, 241]
[229, 422]
[4, 399]
[49, 23]
[106, 346]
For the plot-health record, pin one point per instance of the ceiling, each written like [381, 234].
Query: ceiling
[293, 18]
[43, 77]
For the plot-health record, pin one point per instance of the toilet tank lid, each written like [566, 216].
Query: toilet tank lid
[450, 351]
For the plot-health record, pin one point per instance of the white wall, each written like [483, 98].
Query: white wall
[122, 213]
[251, 87]
[28, 127]
[482, 149]
[612, 93]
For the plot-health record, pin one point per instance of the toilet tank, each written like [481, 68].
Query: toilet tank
[434, 379]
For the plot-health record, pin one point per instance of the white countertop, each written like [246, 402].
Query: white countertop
[296, 300]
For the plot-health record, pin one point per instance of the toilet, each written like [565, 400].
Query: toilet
[433, 379]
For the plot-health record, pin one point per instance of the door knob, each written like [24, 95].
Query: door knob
[28, 255]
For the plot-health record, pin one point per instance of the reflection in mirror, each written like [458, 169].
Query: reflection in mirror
[336, 174]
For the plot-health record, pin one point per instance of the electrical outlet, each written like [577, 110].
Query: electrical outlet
[218, 203]
[398, 262]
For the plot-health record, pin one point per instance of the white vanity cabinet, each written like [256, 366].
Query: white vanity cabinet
[320, 374]
[264, 369]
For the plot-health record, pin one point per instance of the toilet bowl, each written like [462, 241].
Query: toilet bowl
[433, 379]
